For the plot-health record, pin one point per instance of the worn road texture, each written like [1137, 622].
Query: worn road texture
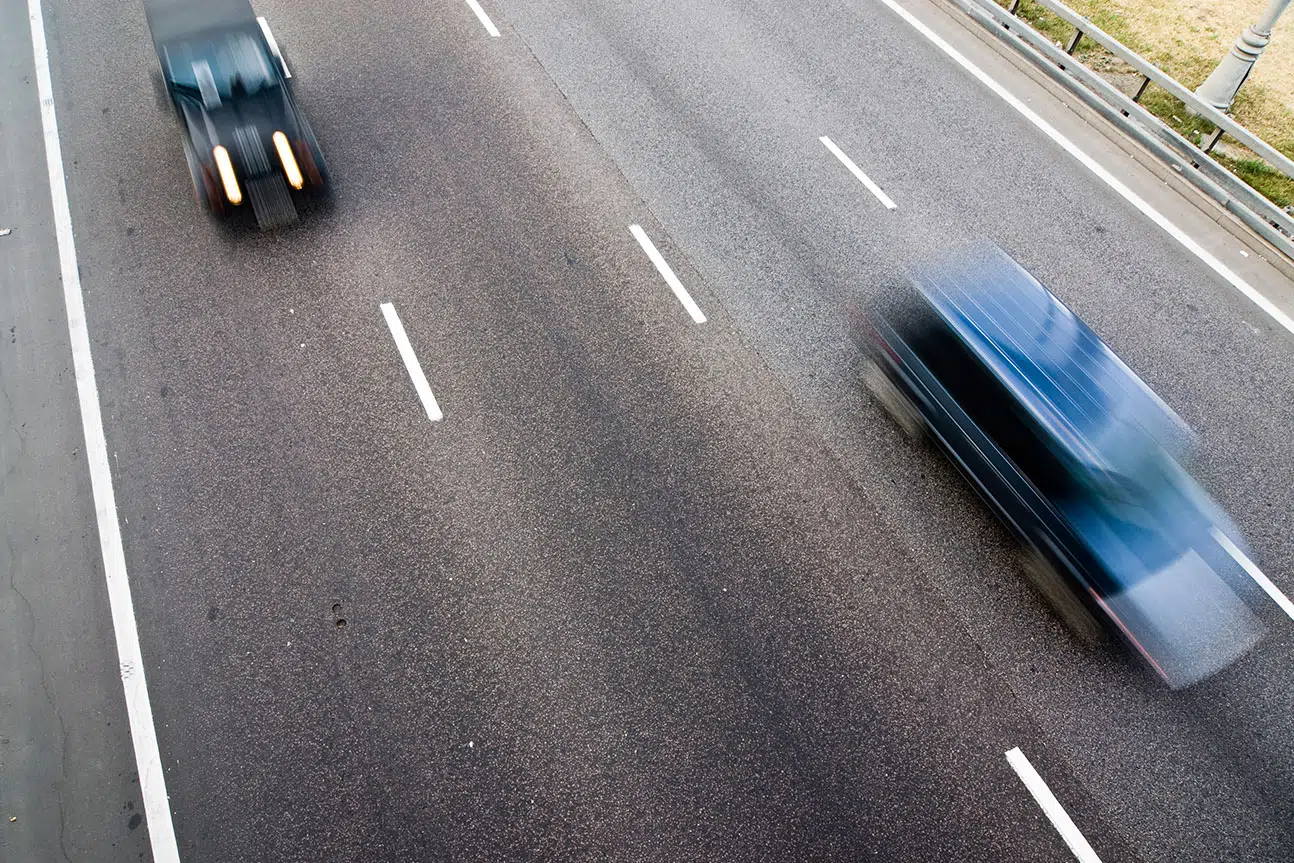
[652, 590]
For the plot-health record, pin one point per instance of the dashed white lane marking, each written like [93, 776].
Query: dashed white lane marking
[1255, 573]
[1051, 807]
[858, 172]
[411, 363]
[1091, 164]
[139, 710]
[485, 19]
[274, 45]
[662, 267]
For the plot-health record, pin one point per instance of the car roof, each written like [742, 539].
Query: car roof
[1062, 373]
[171, 20]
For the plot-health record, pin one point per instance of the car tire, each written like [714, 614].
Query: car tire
[893, 400]
[1055, 589]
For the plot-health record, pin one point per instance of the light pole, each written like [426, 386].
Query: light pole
[1220, 89]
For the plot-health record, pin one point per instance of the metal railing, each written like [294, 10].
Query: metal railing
[1084, 28]
[1191, 161]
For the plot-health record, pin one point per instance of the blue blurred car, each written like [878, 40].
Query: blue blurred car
[1074, 452]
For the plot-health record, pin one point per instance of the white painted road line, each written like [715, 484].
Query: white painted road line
[274, 45]
[139, 710]
[1255, 573]
[411, 363]
[858, 172]
[1091, 164]
[1051, 807]
[485, 19]
[667, 274]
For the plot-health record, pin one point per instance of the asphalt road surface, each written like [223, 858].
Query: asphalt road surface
[652, 589]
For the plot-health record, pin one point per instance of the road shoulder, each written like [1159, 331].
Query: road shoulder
[66, 765]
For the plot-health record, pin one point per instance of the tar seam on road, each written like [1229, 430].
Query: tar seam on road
[1255, 573]
[1092, 165]
[1051, 807]
[485, 19]
[139, 710]
[411, 363]
[858, 172]
[662, 267]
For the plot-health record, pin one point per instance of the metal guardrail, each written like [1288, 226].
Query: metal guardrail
[1084, 28]
[1192, 162]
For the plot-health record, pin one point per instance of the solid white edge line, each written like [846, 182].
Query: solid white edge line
[663, 267]
[1091, 164]
[485, 19]
[1051, 807]
[139, 710]
[1255, 573]
[411, 363]
[274, 45]
[858, 172]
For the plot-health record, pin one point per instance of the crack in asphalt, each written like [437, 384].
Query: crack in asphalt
[17, 433]
[49, 697]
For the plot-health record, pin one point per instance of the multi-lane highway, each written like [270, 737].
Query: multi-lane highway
[651, 588]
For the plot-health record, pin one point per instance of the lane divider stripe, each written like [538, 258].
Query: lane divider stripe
[1255, 573]
[1051, 807]
[411, 363]
[858, 172]
[485, 19]
[663, 267]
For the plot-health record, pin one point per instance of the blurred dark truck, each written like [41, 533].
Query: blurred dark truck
[246, 141]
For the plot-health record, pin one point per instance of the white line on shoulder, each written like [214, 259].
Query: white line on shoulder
[1092, 165]
[663, 267]
[139, 710]
[858, 172]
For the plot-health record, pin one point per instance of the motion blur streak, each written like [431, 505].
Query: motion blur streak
[1073, 451]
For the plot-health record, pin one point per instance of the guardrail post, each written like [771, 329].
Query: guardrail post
[1136, 97]
[1212, 140]
[1015, 4]
[1073, 42]
[1145, 82]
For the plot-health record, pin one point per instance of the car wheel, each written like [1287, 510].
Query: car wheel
[894, 400]
[1055, 589]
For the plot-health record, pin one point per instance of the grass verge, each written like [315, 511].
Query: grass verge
[1188, 53]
